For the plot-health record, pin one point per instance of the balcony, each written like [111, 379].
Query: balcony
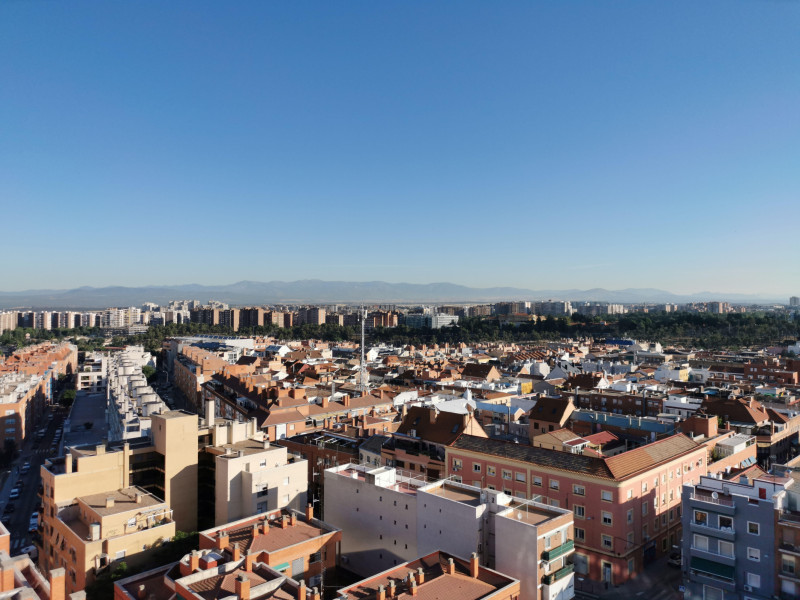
[790, 517]
[791, 548]
[560, 574]
[706, 529]
[561, 550]
[721, 505]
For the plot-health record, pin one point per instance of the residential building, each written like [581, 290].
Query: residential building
[386, 517]
[92, 375]
[20, 578]
[436, 575]
[22, 402]
[626, 506]
[729, 543]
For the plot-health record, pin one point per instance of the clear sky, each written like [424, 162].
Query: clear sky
[536, 144]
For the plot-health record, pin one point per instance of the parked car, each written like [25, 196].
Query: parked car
[31, 551]
[25, 467]
[10, 508]
[34, 523]
[675, 559]
[14, 494]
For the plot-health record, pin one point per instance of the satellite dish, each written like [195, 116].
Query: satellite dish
[714, 495]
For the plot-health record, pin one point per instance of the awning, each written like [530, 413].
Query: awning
[281, 566]
[713, 568]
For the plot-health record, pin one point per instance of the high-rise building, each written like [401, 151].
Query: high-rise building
[794, 301]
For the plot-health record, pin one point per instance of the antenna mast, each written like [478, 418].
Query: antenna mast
[363, 384]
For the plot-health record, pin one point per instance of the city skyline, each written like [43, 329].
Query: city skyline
[557, 146]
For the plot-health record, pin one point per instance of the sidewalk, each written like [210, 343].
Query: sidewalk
[659, 581]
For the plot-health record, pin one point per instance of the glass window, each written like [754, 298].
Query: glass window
[700, 517]
[726, 548]
[644, 509]
[700, 542]
[606, 496]
[752, 528]
[476, 467]
[536, 480]
[580, 534]
[754, 580]
[578, 490]
[725, 522]
[554, 484]
[520, 477]
[506, 474]
[712, 593]
[608, 542]
[630, 516]
[754, 554]
[607, 519]
[490, 471]
[579, 511]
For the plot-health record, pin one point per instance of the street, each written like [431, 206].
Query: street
[35, 450]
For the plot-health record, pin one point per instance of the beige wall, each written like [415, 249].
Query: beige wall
[175, 436]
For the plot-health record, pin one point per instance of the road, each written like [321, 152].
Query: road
[28, 502]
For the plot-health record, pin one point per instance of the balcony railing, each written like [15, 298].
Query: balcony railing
[560, 574]
[554, 553]
[722, 500]
[712, 528]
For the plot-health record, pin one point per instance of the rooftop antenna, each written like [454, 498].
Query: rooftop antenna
[363, 384]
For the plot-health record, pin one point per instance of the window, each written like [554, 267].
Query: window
[645, 535]
[644, 509]
[520, 477]
[476, 467]
[606, 496]
[507, 475]
[607, 518]
[608, 541]
[644, 487]
[554, 484]
[752, 528]
[630, 516]
[578, 490]
[712, 593]
[726, 548]
[754, 580]
[120, 554]
[700, 542]
[700, 517]
[630, 494]
[753, 554]
[491, 487]
[630, 539]
[285, 481]
[554, 503]
[725, 523]
[314, 558]
[579, 511]
[490, 471]
[580, 534]
[536, 480]
[456, 464]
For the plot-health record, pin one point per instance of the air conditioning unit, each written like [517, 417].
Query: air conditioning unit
[747, 588]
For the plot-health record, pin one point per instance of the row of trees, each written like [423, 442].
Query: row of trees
[711, 331]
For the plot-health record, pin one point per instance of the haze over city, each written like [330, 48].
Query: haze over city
[536, 145]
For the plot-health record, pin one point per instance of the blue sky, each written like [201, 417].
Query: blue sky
[536, 144]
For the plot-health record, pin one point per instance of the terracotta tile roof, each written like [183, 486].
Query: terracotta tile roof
[439, 427]
[646, 457]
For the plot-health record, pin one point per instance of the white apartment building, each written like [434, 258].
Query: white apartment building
[131, 401]
[388, 518]
[252, 476]
[92, 375]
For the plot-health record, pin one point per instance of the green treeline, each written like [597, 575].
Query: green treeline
[688, 329]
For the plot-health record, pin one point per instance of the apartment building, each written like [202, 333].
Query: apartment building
[729, 542]
[280, 555]
[49, 360]
[250, 475]
[388, 517]
[21, 579]
[131, 401]
[89, 533]
[92, 375]
[22, 404]
[787, 537]
[194, 366]
[436, 575]
[8, 321]
[627, 507]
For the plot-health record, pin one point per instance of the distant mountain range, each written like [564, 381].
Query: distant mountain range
[316, 291]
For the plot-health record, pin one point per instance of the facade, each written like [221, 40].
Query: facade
[21, 579]
[386, 517]
[92, 375]
[729, 544]
[22, 404]
[627, 507]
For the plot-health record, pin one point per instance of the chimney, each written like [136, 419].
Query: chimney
[451, 567]
[315, 594]
[236, 554]
[420, 576]
[309, 512]
[392, 587]
[256, 530]
[473, 565]
[323, 402]
[210, 412]
[293, 520]
[381, 593]
[110, 502]
[346, 400]
[413, 588]
[194, 561]
[264, 527]
[222, 539]
[58, 583]
[249, 561]
[139, 496]
[284, 522]
[301, 590]
[411, 582]
[68, 462]
[243, 587]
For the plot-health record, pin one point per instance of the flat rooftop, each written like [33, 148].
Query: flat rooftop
[457, 493]
[248, 447]
[124, 501]
[530, 513]
[405, 486]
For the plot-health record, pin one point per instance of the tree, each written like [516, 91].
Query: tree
[149, 372]
[68, 397]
